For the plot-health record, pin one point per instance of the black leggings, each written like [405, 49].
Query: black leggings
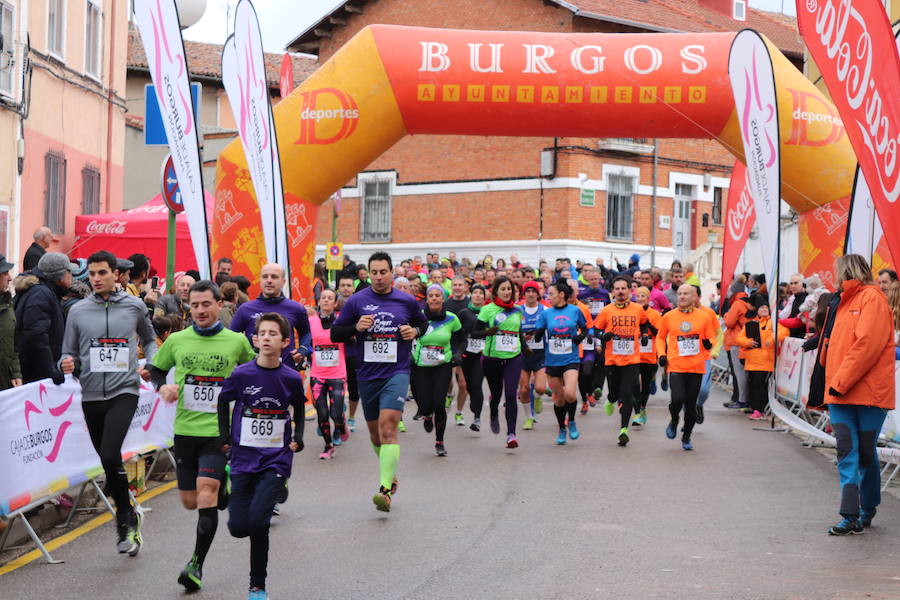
[108, 422]
[622, 382]
[352, 388]
[328, 395]
[502, 375]
[431, 385]
[685, 387]
[735, 392]
[586, 378]
[474, 375]
[758, 389]
[648, 372]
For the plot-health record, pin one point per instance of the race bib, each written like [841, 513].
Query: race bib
[647, 347]
[536, 344]
[688, 345]
[560, 345]
[623, 346]
[587, 346]
[327, 356]
[475, 346]
[431, 356]
[201, 393]
[506, 341]
[109, 355]
[596, 306]
[262, 433]
[380, 351]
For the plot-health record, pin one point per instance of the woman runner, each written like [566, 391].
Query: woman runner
[565, 327]
[648, 355]
[433, 358]
[533, 361]
[500, 322]
[471, 358]
[328, 375]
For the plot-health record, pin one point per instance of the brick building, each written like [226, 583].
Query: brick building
[592, 198]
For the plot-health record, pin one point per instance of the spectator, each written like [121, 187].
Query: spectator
[177, 303]
[350, 267]
[759, 358]
[166, 325]
[194, 273]
[815, 289]
[140, 270]
[39, 316]
[42, 238]
[455, 263]
[676, 278]
[125, 266]
[224, 265]
[790, 314]
[230, 291]
[633, 266]
[79, 289]
[362, 278]
[10, 371]
[244, 285]
[222, 278]
[320, 279]
[658, 299]
[859, 388]
[885, 278]
[893, 298]
[735, 319]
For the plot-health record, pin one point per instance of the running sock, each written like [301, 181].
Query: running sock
[560, 415]
[377, 450]
[207, 523]
[389, 457]
[570, 409]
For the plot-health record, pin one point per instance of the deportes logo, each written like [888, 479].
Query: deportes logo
[328, 116]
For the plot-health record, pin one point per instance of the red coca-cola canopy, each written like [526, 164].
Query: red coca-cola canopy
[143, 229]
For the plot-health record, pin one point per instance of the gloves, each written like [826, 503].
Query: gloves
[663, 361]
[645, 339]
[223, 441]
[491, 330]
[57, 377]
[707, 344]
[300, 445]
[834, 392]
[457, 359]
[577, 339]
[607, 335]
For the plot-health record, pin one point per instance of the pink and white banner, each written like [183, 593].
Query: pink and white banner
[753, 85]
[157, 21]
[864, 231]
[44, 443]
[244, 77]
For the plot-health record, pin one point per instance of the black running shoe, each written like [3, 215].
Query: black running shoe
[429, 424]
[699, 414]
[439, 449]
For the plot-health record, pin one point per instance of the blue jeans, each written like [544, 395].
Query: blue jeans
[705, 384]
[253, 496]
[856, 430]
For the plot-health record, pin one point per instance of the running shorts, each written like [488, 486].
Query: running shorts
[558, 371]
[387, 393]
[197, 457]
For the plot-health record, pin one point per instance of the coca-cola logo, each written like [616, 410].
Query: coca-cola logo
[111, 228]
[846, 52]
[740, 217]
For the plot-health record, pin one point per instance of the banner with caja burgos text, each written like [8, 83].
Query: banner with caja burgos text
[853, 45]
[740, 216]
[44, 443]
[157, 22]
[753, 84]
[244, 77]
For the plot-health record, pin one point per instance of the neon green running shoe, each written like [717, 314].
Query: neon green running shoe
[460, 420]
[623, 436]
[191, 576]
[538, 404]
[529, 424]
[401, 427]
[608, 407]
[448, 401]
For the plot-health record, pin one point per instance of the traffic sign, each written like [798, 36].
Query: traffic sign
[334, 258]
[170, 191]
[154, 131]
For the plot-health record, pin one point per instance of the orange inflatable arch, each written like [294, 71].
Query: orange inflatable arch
[390, 81]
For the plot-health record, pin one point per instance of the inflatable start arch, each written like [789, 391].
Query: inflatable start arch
[390, 81]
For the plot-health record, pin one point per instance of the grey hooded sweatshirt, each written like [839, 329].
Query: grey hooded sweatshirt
[102, 336]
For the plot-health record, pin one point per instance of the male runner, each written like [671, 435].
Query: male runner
[622, 325]
[456, 303]
[533, 368]
[384, 323]
[101, 348]
[203, 356]
[259, 435]
[596, 298]
[683, 344]
[345, 290]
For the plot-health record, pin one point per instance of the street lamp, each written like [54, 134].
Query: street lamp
[190, 11]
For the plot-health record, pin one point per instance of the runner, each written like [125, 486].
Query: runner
[648, 356]
[456, 303]
[100, 347]
[328, 375]
[433, 356]
[260, 439]
[500, 322]
[533, 371]
[203, 356]
[565, 327]
[683, 343]
[586, 379]
[345, 290]
[384, 323]
[621, 326]
[596, 297]
[471, 358]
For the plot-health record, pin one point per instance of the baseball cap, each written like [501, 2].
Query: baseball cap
[5, 266]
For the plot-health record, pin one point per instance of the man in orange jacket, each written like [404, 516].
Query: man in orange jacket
[735, 319]
[683, 344]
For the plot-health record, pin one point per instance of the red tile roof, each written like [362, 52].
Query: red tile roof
[205, 60]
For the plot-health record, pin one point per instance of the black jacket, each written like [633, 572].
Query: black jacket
[816, 396]
[39, 326]
[32, 256]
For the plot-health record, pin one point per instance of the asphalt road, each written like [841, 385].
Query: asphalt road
[742, 517]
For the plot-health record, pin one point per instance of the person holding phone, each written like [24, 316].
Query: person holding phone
[758, 340]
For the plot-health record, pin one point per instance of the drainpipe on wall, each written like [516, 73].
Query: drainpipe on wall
[16, 222]
[109, 103]
[653, 206]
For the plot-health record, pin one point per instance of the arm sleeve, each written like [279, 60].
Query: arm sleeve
[344, 327]
[304, 335]
[146, 334]
[458, 339]
[226, 397]
[299, 416]
[661, 341]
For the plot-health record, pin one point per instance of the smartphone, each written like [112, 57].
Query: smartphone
[751, 330]
[154, 282]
